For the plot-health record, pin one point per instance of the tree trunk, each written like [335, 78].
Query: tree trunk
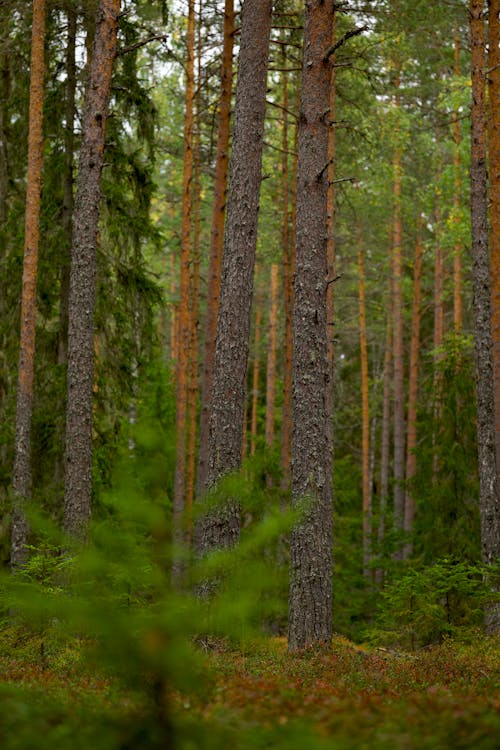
[216, 240]
[288, 276]
[489, 504]
[310, 599]
[397, 340]
[494, 163]
[271, 356]
[221, 528]
[21, 480]
[365, 416]
[78, 474]
[457, 197]
[411, 458]
[184, 317]
[330, 208]
[255, 379]
[385, 442]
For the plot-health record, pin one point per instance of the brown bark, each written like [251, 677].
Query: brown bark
[365, 416]
[385, 441]
[4, 158]
[221, 528]
[216, 239]
[288, 276]
[411, 458]
[173, 310]
[184, 315]
[397, 339]
[457, 196]
[78, 474]
[489, 504]
[310, 598]
[21, 480]
[271, 355]
[330, 245]
[494, 196]
[255, 379]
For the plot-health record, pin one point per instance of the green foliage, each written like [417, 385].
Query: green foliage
[423, 605]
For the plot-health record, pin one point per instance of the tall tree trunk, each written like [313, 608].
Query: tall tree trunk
[21, 480]
[67, 217]
[271, 355]
[310, 599]
[184, 316]
[221, 528]
[288, 276]
[365, 415]
[457, 196]
[411, 458]
[195, 279]
[216, 240]
[4, 158]
[489, 504]
[494, 163]
[397, 340]
[255, 379]
[78, 474]
[385, 442]
[330, 208]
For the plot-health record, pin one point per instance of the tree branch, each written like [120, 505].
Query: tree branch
[348, 35]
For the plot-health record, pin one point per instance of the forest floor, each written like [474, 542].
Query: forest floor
[343, 698]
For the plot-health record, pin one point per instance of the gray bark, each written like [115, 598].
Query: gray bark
[489, 504]
[78, 460]
[310, 599]
[221, 528]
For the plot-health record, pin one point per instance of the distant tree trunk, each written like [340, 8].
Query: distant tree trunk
[216, 240]
[4, 157]
[457, 197]
[288, 276]
[365, 415]
[173, 310]
[21, 480]
[489, 504]
[195, 283]
[437, 341]
[385, 442]
[411, 458]
[310, 599]
[271, 355]
[222, 527]
[494, 196]
[397, 340]
[184, 313]
[78, 474]
[255, 379]
[67, 217]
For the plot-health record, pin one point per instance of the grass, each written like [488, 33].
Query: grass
[345, 697]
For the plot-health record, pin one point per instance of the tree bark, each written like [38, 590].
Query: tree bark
[489, 505]
[271, 356]
[184, 313]
[21, 480]
[216, 240]
[221, 528]
[78, 474]
[365, 416]
[494, 196]
[310, 598]
[255, 379]
[457, 196]
[411, 458]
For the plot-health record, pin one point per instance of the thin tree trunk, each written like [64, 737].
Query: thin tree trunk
[457, 196]
[78, 474]
[411, 458]
[288, 276]
[216, 240]
[310, 599]
[173, 310]
[21, 480]
[365, 415]
[489, 504]
[271, 356]
[385, 442]
[398, 352]
[4, 158]
[255, 379]
[195, 279]
[221, 528]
